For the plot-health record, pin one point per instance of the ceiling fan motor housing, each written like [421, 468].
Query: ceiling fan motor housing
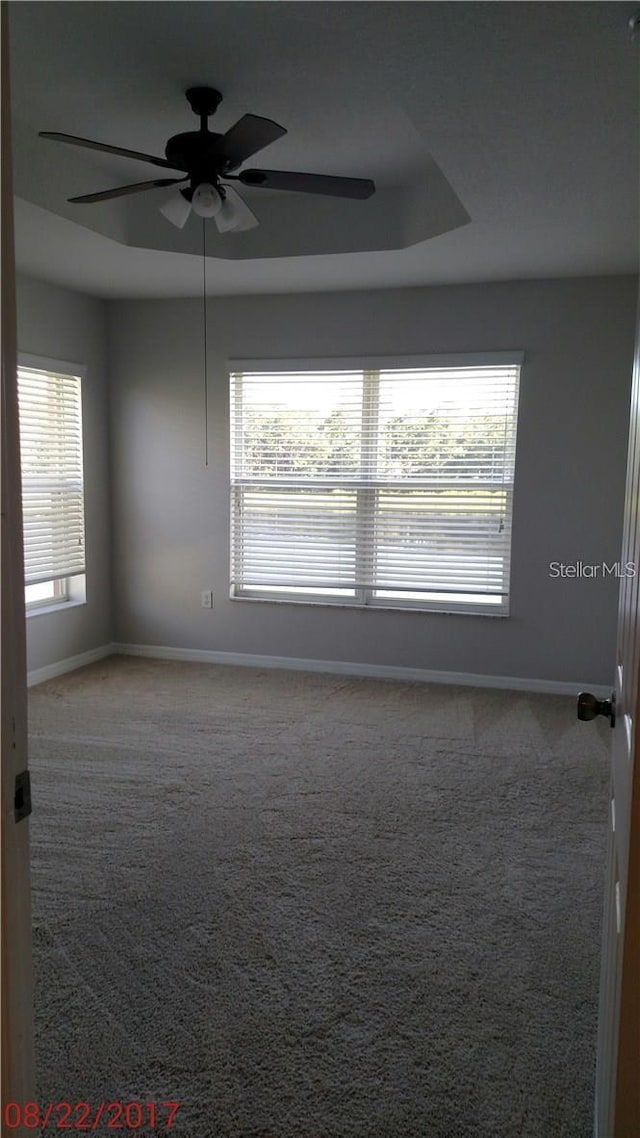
[198, 153]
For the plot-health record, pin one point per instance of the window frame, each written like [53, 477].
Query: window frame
[364, 598]
[68, 592]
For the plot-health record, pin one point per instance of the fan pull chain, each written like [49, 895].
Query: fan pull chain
[204, 321]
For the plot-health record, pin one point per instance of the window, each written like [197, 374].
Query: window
[381, 486]
[50, 406]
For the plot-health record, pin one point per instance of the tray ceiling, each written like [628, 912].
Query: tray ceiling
[516, 123]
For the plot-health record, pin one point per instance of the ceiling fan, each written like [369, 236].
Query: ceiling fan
[208, 160]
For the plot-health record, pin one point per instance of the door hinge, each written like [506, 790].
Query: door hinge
[22, 796]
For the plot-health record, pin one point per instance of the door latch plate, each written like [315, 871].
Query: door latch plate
[22, 796]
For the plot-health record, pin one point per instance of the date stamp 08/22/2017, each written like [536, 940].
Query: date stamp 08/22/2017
[108, 1117]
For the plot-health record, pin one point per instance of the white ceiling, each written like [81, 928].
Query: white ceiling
[530, 110]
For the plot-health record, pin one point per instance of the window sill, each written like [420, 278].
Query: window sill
[59, 606]
[336, 605]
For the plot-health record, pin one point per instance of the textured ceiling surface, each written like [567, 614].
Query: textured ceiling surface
[518, 122]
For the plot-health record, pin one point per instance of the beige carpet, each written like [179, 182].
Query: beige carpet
[313, 907]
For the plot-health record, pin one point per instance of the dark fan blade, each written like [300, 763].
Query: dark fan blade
[250, 134]
[71, 138]
[308, 183]
[120, 191]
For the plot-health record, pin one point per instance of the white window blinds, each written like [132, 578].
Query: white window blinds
[52, 480]
[383, 487]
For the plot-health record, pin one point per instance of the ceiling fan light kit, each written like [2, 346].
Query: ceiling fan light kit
[207, 161]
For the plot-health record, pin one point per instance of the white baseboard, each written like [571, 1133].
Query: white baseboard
[346, 668]
[50, 671]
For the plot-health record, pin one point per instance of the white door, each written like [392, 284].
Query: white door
[17, 986]
[617, 1107]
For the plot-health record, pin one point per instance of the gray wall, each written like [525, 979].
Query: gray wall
[64, 325]
[172, 516]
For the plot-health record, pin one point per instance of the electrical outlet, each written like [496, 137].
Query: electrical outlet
[206, 599]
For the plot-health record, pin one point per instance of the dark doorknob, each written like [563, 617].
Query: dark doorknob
[589, 706]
